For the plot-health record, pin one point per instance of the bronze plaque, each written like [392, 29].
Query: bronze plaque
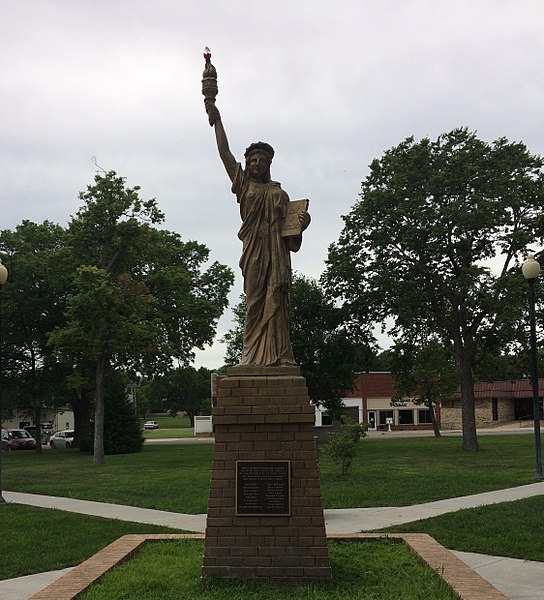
[263, 488]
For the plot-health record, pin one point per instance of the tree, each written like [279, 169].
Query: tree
[417, 247]
[183, 389]
[234, 338]
[34, 304]
[344, 445]
[425, 372]
[328, 358]
[141, 296]
[122, 429]
[107, 318]
[505, 365]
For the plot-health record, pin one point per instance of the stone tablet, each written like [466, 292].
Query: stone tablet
[291, 224]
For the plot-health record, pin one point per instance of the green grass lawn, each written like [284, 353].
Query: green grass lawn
[161, 434]
[514, 529]
[174, 478]
[406, 471]
[169, 427]
[177, 422]
[36, 539]
[388, 472]
[373, 571]
[56, 539]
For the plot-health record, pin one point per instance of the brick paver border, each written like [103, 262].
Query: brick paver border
[461, 578]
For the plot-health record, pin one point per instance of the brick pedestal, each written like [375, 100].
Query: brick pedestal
[264, 414]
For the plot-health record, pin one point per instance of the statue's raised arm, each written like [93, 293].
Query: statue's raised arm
[267, 247]
[209, 89]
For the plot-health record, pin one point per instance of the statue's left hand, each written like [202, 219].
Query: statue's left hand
[304, 219]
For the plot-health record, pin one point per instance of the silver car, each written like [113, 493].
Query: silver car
[62, 439]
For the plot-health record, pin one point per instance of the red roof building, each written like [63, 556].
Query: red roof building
[374, 400]
[371, 401]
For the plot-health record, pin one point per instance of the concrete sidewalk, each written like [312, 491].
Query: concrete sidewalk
[349, 520]
[192, 523]
[517, 579]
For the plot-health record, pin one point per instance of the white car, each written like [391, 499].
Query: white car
[151, 425]
[62, 439]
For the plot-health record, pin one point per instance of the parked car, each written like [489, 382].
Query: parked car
[17, 439]
[62, 439]
[33, 430]
[151, 425]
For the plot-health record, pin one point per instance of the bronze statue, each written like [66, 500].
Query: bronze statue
[266, 259]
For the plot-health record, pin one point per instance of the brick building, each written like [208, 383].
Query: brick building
[495, 402]
[371, 402]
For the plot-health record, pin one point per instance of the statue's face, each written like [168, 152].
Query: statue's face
[257, 165]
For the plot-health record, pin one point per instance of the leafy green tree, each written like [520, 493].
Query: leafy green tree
[234, 338]
[34, 303]
[327, 356]
[502, 366]
[107, 318]
[502, 348]
[141, 296]
[431, 241]
[425, 372]
[190, 298]
[183, 389]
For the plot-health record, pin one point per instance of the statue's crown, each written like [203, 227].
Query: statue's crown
[260, 147]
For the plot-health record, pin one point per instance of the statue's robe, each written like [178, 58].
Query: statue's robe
[266, 268]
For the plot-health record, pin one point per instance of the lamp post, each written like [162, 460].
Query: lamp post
[3, 279]
[531, 270]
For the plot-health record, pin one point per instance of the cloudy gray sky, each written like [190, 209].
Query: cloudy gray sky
[330, 85]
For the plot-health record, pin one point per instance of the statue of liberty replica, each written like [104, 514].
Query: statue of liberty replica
[265, 517]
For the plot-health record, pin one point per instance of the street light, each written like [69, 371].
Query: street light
[531, 270]
[3, 279]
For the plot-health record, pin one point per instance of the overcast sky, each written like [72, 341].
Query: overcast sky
[330, 85]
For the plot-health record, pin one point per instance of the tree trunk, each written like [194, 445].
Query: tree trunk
[99, 457]
[463, 356]
[436, 427]
[37, 416]
[36, 405]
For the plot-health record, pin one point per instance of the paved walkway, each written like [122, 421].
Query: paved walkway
[518, 579]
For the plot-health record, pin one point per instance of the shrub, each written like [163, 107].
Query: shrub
[122, 431]
[344, 444]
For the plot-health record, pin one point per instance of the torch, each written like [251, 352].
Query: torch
[209, 83]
